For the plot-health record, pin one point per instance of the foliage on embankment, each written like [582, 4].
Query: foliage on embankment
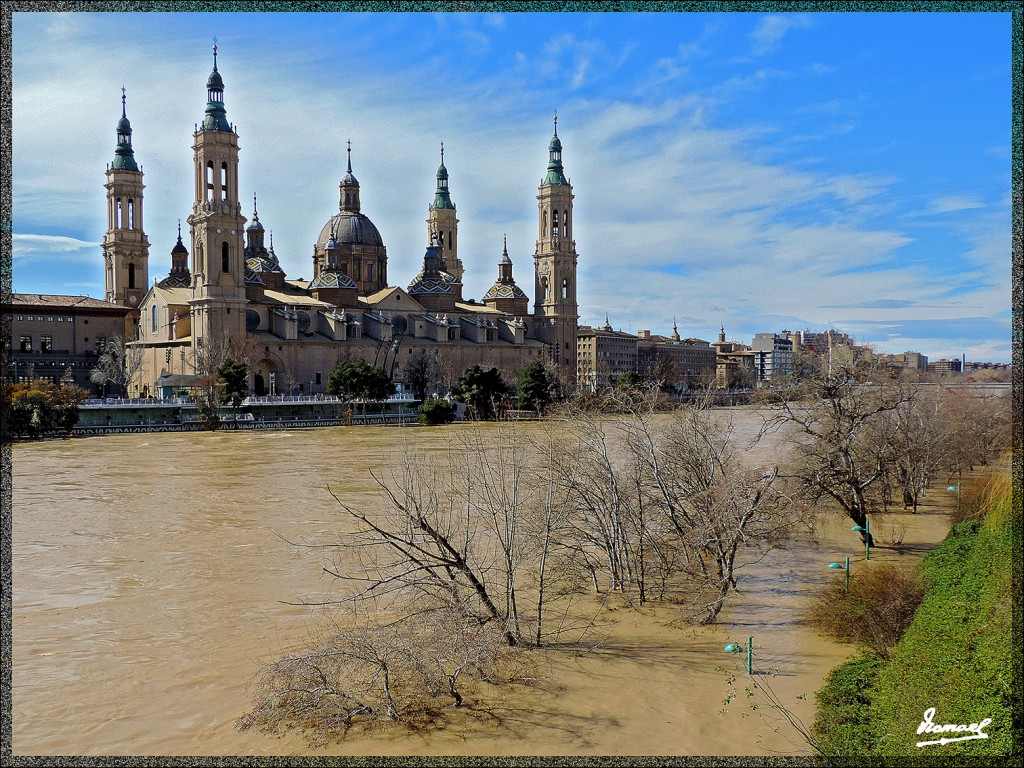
[957, 656]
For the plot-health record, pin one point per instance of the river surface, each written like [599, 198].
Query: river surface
[153, 574]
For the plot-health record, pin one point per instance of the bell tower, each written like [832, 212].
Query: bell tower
[556, 313]
[443, 224]
[217, 224]
[125, 245]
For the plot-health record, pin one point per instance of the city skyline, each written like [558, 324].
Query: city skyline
[757, 171]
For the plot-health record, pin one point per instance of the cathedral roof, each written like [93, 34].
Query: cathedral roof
[252, 278]
[175, 281]
[332, 280]
[431, 285]
[350, 228]
[263, 263]
[448, 277]
[499, 291]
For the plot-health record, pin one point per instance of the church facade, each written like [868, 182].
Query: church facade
[227, 288]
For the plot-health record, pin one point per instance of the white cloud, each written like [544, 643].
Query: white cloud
[770, 31]
[52, 247]
[950, 203]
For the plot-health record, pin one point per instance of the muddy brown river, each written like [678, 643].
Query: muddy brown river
[152, 577]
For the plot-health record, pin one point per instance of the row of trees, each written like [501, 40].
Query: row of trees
[865, 437]
[37, 408]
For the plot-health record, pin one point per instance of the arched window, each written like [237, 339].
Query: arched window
[554, 222]
[451, 241]
[131, 213]
[369, 271]
[225, 263]
[565, 289]
[209, 181]
[200, 261]
[131, 275]
[118, 210]
[153, 313]
[544, 223]
[224, 183]
[565, 225]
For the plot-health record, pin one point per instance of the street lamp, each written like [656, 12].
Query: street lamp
[737, 648]
[837, 566]
[957, 489]
[866, 530]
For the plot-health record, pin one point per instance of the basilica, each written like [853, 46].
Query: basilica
[227, 287]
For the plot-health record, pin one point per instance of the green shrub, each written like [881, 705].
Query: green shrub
[956, 656]
[842, 725]
[437, 411]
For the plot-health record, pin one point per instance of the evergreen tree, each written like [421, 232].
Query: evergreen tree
[534, 387]
[235, 385]
[357, 380]
[481, 390]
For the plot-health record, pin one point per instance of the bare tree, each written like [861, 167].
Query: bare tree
[845, 431]
[404, 667]
[118, 364]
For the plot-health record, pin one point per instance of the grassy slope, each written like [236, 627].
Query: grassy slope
[956, 656]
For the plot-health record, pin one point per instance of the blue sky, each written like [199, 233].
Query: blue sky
[761, 171]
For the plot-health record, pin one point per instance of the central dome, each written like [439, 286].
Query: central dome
[350, 228]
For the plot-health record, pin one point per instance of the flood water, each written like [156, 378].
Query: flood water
[153, 574]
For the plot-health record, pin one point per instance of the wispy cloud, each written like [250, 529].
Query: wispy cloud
[770, 31]
[52, 247]
[950, 203]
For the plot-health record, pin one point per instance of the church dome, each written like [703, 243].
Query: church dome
[430, 285]
[328, 279]
[215, 82]
[262, 263]
[504, 291]
[350, 228]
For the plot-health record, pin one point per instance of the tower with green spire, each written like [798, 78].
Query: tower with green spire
[443, 226]
[556, 313]
[125, 245]
[217, 224]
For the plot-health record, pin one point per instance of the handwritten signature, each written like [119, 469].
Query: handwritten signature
[974, 730]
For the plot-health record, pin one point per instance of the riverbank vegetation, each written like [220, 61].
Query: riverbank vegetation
[956, 654]
[39, 408]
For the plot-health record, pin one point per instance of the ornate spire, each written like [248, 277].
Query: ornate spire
[255, 224]
[215, 118]
[179, 257]
[124, 156]
[675, 329]
[348, 197]
[442, 198]
[555, 174]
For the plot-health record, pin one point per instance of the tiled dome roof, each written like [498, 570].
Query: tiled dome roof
[332, 280]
